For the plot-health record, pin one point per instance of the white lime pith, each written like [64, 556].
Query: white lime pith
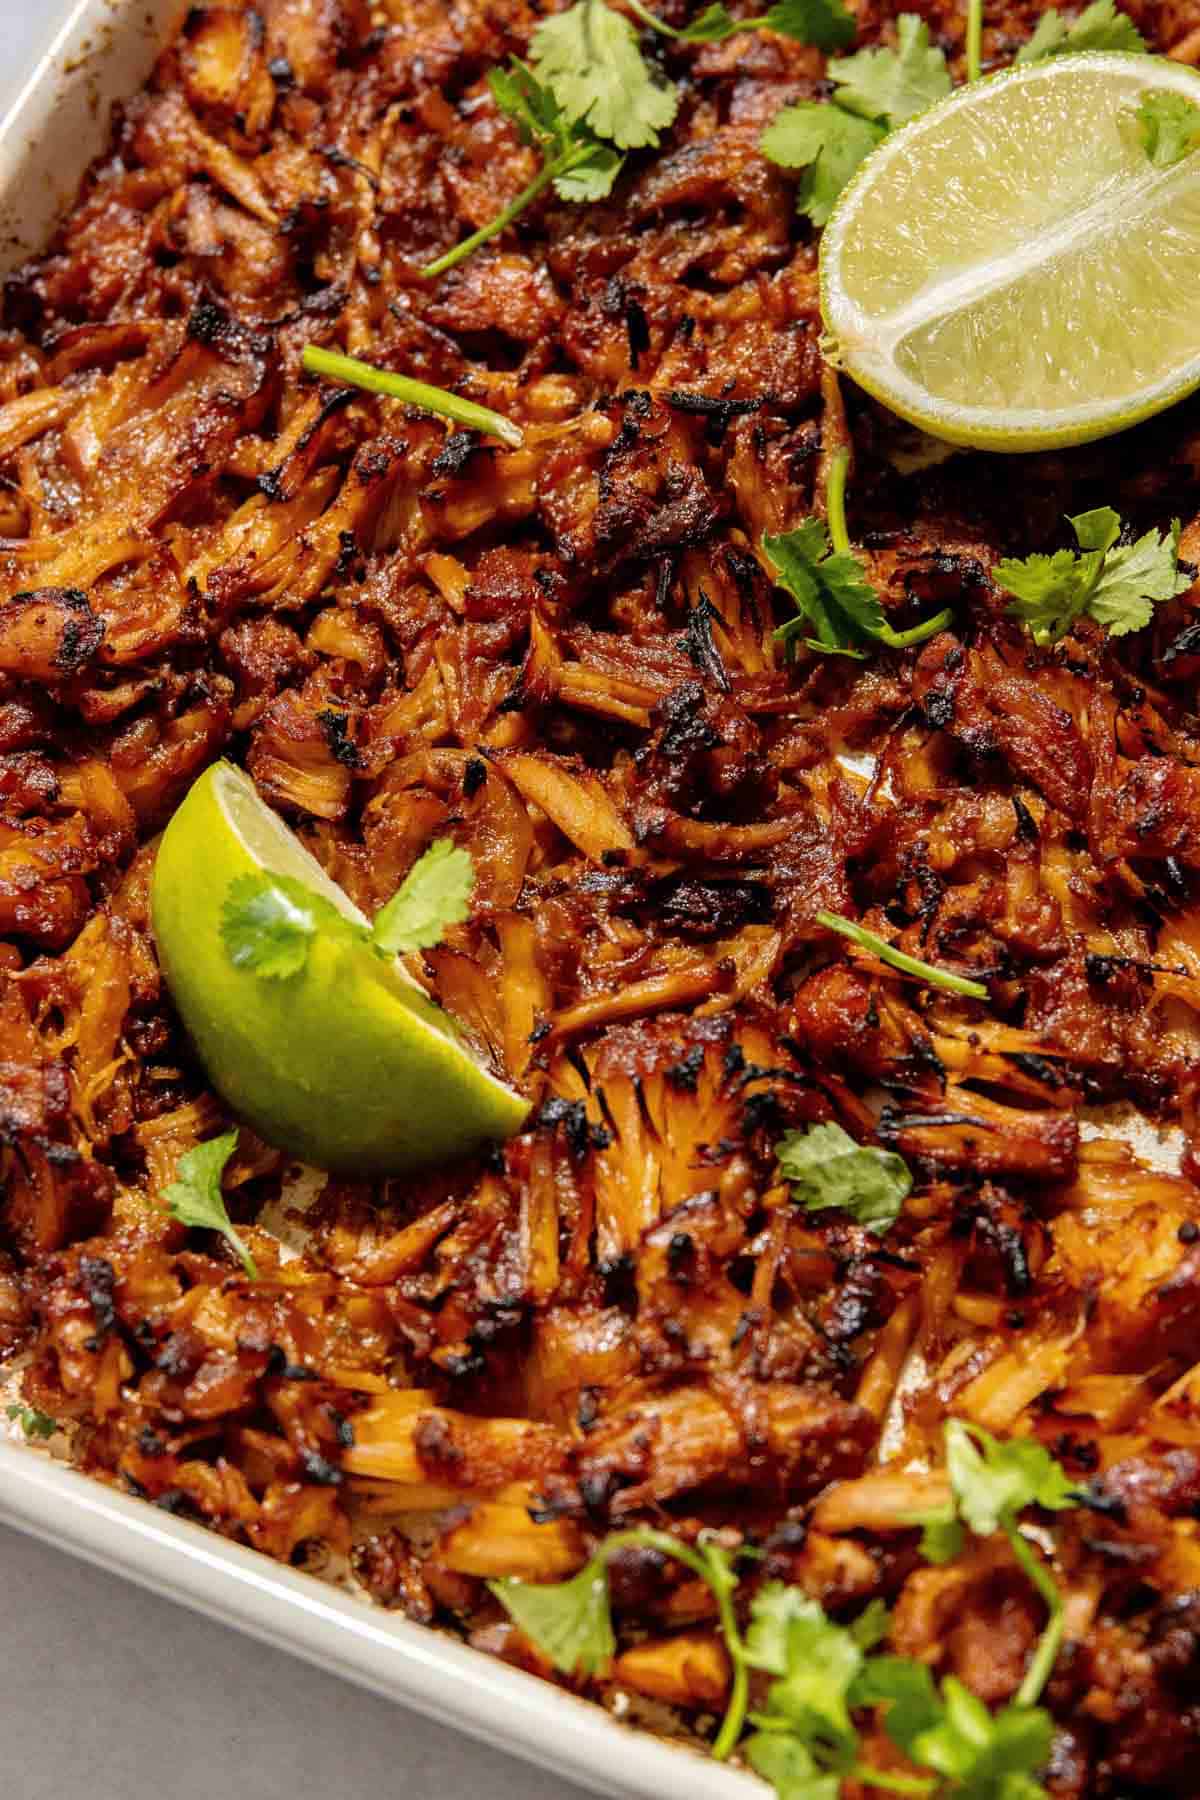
[346, 1064]
[1011, 271]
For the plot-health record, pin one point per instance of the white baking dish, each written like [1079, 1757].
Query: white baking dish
[57, 125]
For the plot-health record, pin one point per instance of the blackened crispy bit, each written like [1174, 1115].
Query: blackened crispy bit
[563, 657]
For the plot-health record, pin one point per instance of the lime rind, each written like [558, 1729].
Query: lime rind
[1079, 208]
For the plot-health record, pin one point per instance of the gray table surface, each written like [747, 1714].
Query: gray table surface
[107, 1693]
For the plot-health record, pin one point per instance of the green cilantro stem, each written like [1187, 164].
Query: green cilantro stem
[646, 1538]
[917, 634]
[656, 24]
[354, 373]
[835, 500]
[839, 537]
[895, 1784]
[974, 39]
[1046, 1654]
[494, 227]
[673, 31]
[899, 959]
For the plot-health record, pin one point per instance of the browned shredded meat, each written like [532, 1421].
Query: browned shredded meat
[562, 657]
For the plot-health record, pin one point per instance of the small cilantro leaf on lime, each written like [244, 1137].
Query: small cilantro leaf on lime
[268, 923]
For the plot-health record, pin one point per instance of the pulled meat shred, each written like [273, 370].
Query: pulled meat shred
[561, 656]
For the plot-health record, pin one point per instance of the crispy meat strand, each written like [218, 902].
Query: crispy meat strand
[562, 656]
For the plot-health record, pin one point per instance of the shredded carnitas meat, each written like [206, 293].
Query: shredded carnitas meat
[561, 656]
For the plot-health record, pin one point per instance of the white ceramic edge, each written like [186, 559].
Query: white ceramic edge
[60, 118]
[432, 1673]
[56, 126]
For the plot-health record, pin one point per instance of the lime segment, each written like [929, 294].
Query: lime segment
[347, 1064]
[1011, 271]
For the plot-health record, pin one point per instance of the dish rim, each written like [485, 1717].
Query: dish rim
[99, 55]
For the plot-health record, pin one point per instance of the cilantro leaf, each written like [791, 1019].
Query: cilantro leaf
[875, 90]
[268, 923]
[590, 175]
[815, 1662]
[574, 159]
[589, 58]
[33, 1423]
[531, 106]
[580, 166]
[942, 1534]
[993, 1480]
[434, 894]
[987, 1756]
[712, 26]
[774, 1608]
[1118, 585]
[828, 582]
[906, 1688]
[827, 1168]
[784, 1760]
[893, 85]
[1099, 27]
[825, 141]
[832, 594]
[1170, 127]
[1135, 577]
[871, 1626]
[195, 1197]
[824, 23]
[1051, 592]
[569, 1621]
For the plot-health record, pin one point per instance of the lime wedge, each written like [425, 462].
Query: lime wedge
[346, 1064]
[1011, 271]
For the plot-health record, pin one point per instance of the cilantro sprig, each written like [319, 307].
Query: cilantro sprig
[579, 164]
[826, 1168]
[270, 922]
[978, 1755]
[837, 609]
[195, 1197]
[36, 1425]
[900, 959]
[823, 23]
[1116, 584]
[571, 1621]
[873, 92]
[991, 1484]
[1099, 27]
[590, 58]
[804, 1740]
[587, 95]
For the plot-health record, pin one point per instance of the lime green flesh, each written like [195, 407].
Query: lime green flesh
[347, 1064]
[1010, 270]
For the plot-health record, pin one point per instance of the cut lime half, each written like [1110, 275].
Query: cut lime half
[346, 1064]
[1011, 271]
